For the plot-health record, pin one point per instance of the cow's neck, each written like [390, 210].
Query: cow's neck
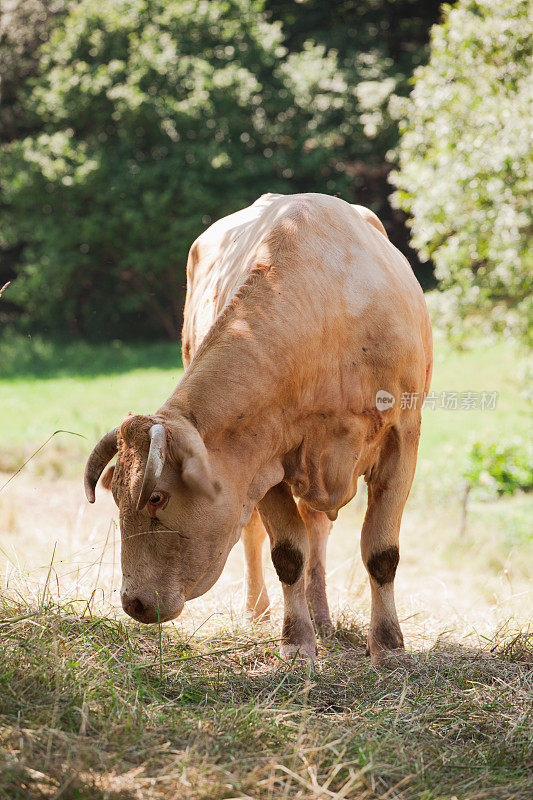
[230, 399]
[237, 390]
[239, 375]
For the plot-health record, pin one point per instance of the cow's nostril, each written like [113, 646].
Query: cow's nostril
[136, 608]
[146, 607]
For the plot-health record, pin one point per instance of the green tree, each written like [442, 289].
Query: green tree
[378, 44]
[155, 118]
[24, 26]
[466, 173]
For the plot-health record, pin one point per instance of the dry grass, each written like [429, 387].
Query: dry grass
[95, 706]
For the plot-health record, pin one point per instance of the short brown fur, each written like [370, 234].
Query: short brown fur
[299, 311]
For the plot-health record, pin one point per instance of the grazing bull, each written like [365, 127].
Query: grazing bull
[304, 326]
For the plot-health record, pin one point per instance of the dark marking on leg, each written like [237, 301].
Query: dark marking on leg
[382, 566]
[288, 562]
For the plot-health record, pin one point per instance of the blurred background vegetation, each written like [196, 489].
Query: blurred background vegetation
[128, 126]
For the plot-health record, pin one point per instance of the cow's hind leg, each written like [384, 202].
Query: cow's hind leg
[389, 483]
[290, 555]
[256, 602]
[318, 529]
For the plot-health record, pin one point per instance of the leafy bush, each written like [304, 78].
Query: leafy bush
[24, 26]
[156, 117]
[466, 171]
[501, 469]
[139, 123]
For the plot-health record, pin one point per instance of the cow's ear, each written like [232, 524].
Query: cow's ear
[189, 452]
[107, 477]
[197, 475]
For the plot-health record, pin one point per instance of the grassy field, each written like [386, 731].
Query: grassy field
[92, 705]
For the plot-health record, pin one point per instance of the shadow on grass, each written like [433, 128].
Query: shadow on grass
[24, 357]
[127, 709]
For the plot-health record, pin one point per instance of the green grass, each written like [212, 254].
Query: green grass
[88, 702]
[447, 435]
[98, 707]
[77, 387]
[88, 389]
[27, 357]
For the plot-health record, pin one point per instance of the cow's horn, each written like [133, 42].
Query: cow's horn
[154, 464]
[99, 458]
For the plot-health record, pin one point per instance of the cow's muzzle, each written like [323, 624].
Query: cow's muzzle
[149, 607]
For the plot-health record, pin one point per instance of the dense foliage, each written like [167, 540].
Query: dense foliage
[378, 44]
[156, 118]
[466, 164]
[141, 121]
[24, 26]
[500, 468]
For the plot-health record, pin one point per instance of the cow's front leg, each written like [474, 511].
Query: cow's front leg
[388, 487]
[318, 529]
[256, 603]
[290, 554]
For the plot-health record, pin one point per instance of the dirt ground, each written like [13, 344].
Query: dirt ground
[445, 586]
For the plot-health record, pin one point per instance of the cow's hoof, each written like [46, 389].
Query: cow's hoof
[290, 652]
[384, 641]
[377, 658]
[257, 609]
[257, 615]
[324, 627]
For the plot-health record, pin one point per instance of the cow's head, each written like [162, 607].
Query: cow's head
[178, 518]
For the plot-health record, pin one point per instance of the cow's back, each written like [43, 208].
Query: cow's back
[216, 267]
[352, 287]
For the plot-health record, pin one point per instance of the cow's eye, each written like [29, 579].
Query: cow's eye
[158, 498]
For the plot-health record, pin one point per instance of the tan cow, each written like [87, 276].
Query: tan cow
[304, 326]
